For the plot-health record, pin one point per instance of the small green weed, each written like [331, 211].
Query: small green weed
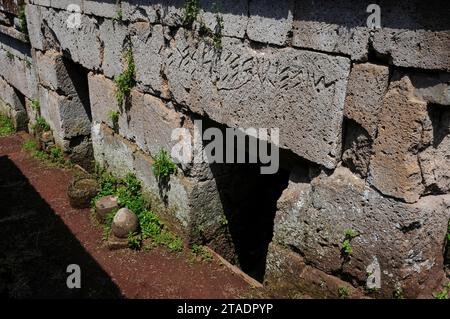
[41, 123]
[6, 126]
[125, 81]
[191, 10]
[134, 241]
[201, 252]
[30, 145]
[343, 292]
[10, 56]
[444, 293]
[23, 21]
[163, 166]
[129, 192]
[36, 105]
[346, 247]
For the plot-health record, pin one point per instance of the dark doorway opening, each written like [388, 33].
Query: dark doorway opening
[249, 199]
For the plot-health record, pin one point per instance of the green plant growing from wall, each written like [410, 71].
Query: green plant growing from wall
[42, 124]
[346, 246]
[23, 21]
[125, 80]
[114, 117]
[6, 126]
[191, 10]
[343, 292]
[444, 293]
[163, 166]
[35, 105]
[10, 56]
[398, 293]
[217, 36]
[119, 15]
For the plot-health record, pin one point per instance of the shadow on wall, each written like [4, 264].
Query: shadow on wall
[408, 15]
[249, 201]
[36, 247]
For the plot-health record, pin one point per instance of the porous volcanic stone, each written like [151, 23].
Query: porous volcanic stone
[81, 191]
[124, 222]
[105, 205]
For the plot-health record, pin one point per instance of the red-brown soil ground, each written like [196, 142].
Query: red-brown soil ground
[40, 235]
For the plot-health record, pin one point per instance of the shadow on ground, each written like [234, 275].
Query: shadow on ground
[36, 246]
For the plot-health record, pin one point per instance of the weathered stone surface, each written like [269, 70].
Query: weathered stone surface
[432, 88]
[403, 128]
[406, 239]
[33, 14]
[268, 23]
[415, 48]
[115, 243]
[66, 116]
[81, 191]
[19, 74]
[104, 8]
[287, 275]
[265, 88]
[124, 222]
[81, 152]
[149, 41]
[234, 14]
[338, 28]
[106, 205]
[113, 36]
[12, 106]
[169, 12]
[149, 122]
[82, 44]
[414, 34]
[53, 73]
[435, 159]
[367, 85]
[357, 149]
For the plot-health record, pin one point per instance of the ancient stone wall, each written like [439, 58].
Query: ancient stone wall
[363, 199]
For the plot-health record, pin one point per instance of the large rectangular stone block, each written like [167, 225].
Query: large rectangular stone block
[53, 72]
[234, 15]
[301, 93]
[113, 36]
[12, 106]
[415, 34]
[82, 44]
[104, 8]
[404, 128]
[149, 121]
[338, 27]
[269, 23]
[18, 73]
[168, 12]
[66, 116]
[396, 245]
[367, 85]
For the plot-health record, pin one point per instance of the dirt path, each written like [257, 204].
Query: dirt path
[40, 235]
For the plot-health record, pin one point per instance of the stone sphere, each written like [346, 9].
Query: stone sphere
[124, 222]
